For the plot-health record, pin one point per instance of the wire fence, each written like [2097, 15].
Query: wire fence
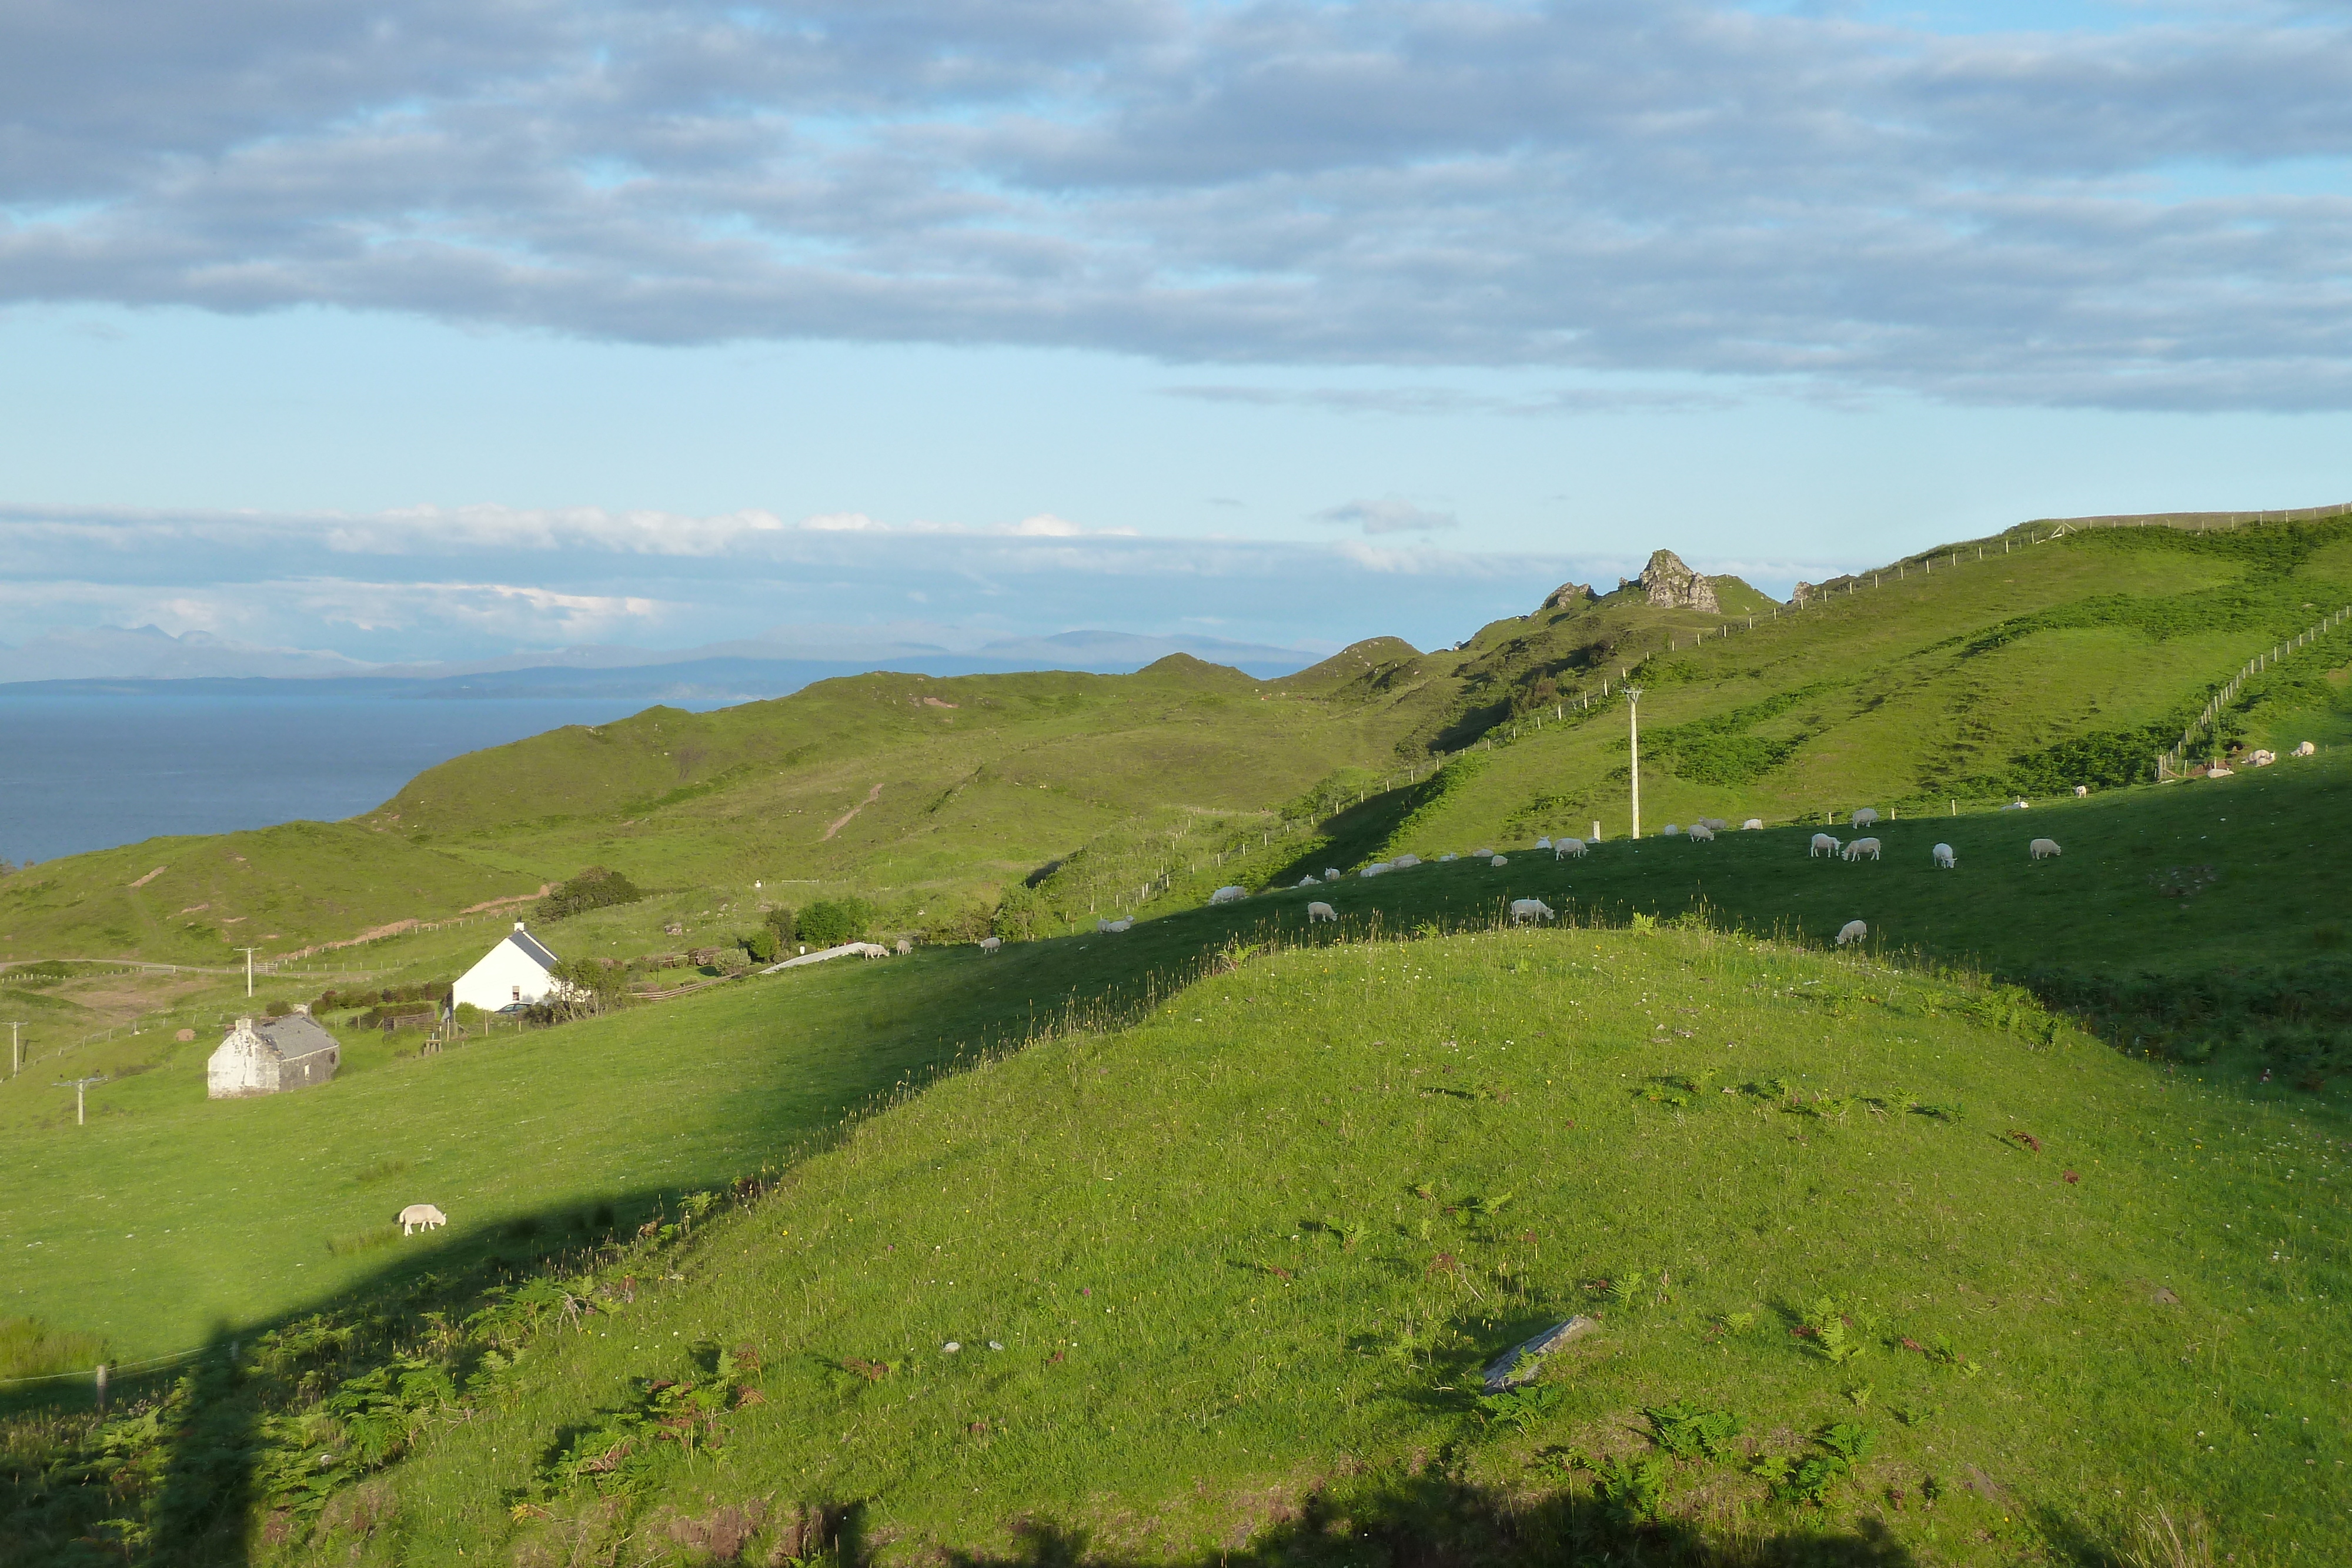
[2172, 762]
[100, 1373]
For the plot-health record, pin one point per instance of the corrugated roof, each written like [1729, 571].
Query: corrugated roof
[294, 1037]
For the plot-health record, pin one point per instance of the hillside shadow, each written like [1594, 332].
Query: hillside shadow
[1432, 1520]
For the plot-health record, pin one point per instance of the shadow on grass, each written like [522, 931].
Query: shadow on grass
[1435, 1522]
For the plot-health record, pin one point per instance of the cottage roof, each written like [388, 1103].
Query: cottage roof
[295, 1036]
[531, 948]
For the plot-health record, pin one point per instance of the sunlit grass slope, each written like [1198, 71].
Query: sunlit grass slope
[1154, 1290]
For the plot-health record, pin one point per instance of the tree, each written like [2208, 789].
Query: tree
[1020, 913]
[785, 923]
[585, 988]
[835, 921]
[762, 945]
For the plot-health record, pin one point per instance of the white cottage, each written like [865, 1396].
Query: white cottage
[271, 1056]
[517, 971]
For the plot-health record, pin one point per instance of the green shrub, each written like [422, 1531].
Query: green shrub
[835, 921]
[762, 945]
[785, 923]
[595, 888]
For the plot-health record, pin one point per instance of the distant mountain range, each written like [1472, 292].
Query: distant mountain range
[146, 660]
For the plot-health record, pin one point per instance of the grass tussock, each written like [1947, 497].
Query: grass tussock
[31, 1348]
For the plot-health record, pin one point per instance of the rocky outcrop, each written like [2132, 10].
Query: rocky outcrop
[1569, 596]
[1804, 591]
[1669, 584]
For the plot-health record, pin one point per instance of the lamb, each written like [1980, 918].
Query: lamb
[1526, 909]
[1823, 845]
[1867, 817]
[1404, 860]
[1499, 860]
[1106, 927]
[1702, 833]
[1860, 847]
[1853, 931]
[1566, 849]
[1230, 895]
[2304, 749]
[1942, 857]
[2082, 791]
[1752, 823]
[990, 944]
[1320, 911]
[2043, 849]
[421, 1217]
[1376, 868]
[1543, 844]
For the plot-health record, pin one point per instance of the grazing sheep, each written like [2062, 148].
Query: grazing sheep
[1860, 847]
[1307, 881]
[1565, 848]
[1713, 824]
[1543, 844]
[1320, 911]
[1853, 931]
[1702, 833]
[1526, 909]
[990, 944]
[1673, 830]
[1230, 895]
[1823, 845]
[1376, 868]
[1404, 860]
[1942, 857]
[1331, 873]
[2082, 791]
[2305, 749]
[1480, 855]
[2043, 849]
[1751, 824]
[1865, 817]
[1449, 855]
[421, 1217]
[1499, 860]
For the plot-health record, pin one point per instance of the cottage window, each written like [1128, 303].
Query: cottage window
[517, 993]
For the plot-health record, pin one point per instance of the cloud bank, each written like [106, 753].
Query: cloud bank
[2152, 215]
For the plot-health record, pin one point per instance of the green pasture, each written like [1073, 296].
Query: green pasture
[1149, 1295]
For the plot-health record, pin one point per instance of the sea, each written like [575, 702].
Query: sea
[85, 771]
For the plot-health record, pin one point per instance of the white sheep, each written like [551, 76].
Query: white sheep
[421, 1217]
[1853, 931]
[1751, 824]
[1377, 868]
[1229, 894]
[1702, 833]
[2219, 770]
[1499, 860]
[1449, 855]
[2043, 849]
[1320, 911]
[1526, 909]
[1308, 880]
[2017, 806]
[1106, 927]
[990, 944]
[1567, 849]
[1860, 847]
[2305, 749]
[1823, 845]
[1481, 854]
[1543, 844]
[1673, 830]
[1401, 862]
[1867, 817]
[1942, 857]
[2260, 759]
[1713, 824]
[2082, 791]
[1331, 873]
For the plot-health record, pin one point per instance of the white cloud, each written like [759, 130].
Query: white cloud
[1389, 516]
[2153, 213]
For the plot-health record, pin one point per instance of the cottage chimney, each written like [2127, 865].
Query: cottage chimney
[518, 925]
[245, 1026]
[304, 1009]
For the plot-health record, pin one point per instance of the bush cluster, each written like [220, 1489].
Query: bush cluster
[595, 888]
[834, 921]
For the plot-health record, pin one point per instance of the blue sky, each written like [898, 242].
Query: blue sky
[444, 329]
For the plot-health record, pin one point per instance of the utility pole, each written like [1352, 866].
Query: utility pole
[248, 970]
[15, 1053]
[1633, 735]
[79, 1085]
